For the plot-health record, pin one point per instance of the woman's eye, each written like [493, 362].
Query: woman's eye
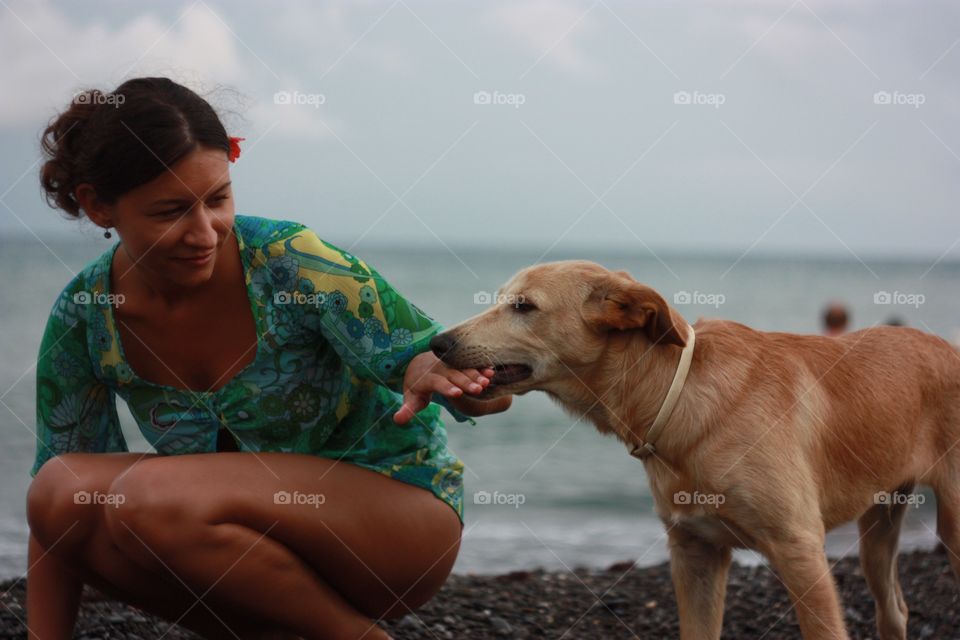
[179, 210]
[171, 212]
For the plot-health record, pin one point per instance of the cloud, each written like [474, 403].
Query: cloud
[549, 30]
[294, 113]
[328, 37]
[50, 56]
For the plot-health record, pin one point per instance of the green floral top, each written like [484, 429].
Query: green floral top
[334, 343]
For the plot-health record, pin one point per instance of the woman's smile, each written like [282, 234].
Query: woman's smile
[198, 260]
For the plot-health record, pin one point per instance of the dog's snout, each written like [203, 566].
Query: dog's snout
[442, 343]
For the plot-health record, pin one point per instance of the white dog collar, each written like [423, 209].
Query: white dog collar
[673, 394]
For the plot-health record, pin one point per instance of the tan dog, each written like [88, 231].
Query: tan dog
[775, 439]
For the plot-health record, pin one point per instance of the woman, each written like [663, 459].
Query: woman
[273, 357]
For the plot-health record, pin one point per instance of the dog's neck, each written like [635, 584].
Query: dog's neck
[623, 392]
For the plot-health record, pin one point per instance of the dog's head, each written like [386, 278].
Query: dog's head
[553, 319]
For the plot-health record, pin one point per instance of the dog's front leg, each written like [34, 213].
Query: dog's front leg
[802, 566]
[699, 572]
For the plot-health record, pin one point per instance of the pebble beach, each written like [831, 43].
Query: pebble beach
[620, 601]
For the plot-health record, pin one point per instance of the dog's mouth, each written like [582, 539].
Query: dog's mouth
[504, 374]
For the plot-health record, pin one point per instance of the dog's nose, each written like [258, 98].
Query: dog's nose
[441, 344]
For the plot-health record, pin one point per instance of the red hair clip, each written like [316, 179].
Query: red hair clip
[234, 148]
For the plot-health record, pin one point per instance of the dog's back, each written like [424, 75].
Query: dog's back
[868, 412]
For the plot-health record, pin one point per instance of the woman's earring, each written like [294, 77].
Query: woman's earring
[106, 234]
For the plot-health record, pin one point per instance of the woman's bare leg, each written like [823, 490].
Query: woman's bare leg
[70, 546]
[361, 546]
[53, 595]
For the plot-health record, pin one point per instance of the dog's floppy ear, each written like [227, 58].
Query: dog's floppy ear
[619, 302]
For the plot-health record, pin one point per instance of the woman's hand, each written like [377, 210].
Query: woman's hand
[427, 374]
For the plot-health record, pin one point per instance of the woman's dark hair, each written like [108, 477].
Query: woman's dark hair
[120, 140]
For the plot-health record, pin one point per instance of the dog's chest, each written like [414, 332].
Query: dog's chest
[697, 513]
[707, 526]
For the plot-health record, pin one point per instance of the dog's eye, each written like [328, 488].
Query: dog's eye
[523, 307]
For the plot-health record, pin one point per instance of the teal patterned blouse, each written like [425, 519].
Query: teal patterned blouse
[335, 340]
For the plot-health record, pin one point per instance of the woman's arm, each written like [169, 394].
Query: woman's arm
[53, 595]
[75, 410]
[375, 330]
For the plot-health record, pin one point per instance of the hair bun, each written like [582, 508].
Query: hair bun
[62, 143]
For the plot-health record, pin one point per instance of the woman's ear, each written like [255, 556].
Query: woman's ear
[617, 302]
[93, 208]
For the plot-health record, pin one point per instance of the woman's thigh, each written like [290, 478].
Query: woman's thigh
[385, 545]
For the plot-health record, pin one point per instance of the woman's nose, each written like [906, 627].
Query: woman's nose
[202, 232]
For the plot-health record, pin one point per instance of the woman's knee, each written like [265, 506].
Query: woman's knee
[427, 585]
[419, 580]
[61, 498]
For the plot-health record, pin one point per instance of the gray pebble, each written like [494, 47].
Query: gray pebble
[411, 622]
[500, 626]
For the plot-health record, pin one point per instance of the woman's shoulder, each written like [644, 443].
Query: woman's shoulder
[258, 231]
[294, 242]
[88, 287]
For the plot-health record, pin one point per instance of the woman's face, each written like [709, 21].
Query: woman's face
[174, 227]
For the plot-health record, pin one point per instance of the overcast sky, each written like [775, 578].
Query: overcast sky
[813, 127]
